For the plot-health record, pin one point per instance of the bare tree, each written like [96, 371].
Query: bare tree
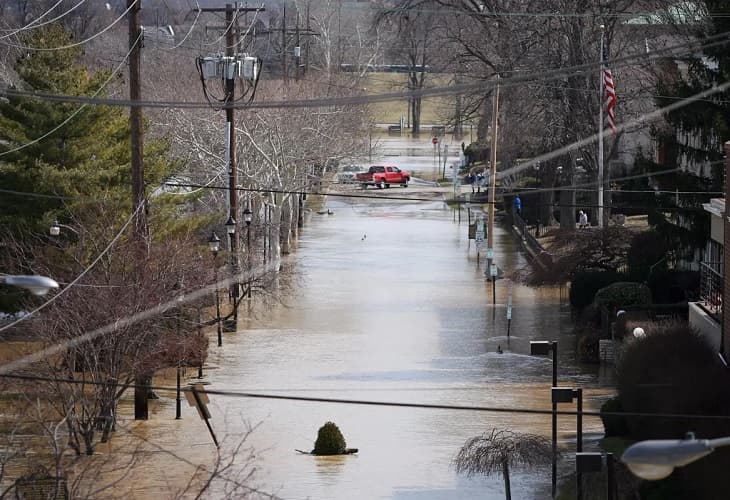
[500, 450]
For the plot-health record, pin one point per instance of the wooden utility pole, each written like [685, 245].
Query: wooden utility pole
[231, 46]
[135, 121]
[493, 172]
[142, 380]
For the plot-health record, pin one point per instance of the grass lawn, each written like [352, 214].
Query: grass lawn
[434, 110]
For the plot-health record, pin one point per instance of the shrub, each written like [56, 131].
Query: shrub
[478, 151]
[613, 425]
[330, 440]
[647, 249]
[588, 348]
[668, 287]
[585, 284]
[622, 294]
[672, 370]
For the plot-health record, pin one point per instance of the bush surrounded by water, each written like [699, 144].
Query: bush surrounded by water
[330, 440]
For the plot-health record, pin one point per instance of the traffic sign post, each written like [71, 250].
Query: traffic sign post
[197, 397]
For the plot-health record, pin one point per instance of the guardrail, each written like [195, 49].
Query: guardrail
[529, 237]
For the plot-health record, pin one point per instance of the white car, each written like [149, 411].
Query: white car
[347, 174]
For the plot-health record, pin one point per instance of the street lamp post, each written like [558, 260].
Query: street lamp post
[593, 462]
[214, 244]
[543, 348]
[231, 230]
[567, 395]
[656, 459]
[247, 218]
[178, 394]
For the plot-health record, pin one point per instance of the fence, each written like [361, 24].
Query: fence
[711, 289]
[529, 237]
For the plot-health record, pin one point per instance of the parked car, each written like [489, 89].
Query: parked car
[348, 174]
[383, 176]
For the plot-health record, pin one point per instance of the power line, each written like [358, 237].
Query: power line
[34, 23]
[80, 108]
[78, 278]
[76, 44]
[518, 79]
[365, 402]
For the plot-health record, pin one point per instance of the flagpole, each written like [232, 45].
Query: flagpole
[600, 137]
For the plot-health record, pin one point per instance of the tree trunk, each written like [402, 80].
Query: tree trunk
[416, 116]
[567, 202]
[286, 224]
[141, 408]
[505, 473]
[275, 232]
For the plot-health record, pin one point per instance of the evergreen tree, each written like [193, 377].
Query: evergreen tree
[703, 127]
[84, 158]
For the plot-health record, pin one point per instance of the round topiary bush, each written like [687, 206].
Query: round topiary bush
[623, 294]
[585, 284]
[330, 440]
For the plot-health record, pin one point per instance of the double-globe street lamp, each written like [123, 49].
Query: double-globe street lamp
[247, 218]
[214, 245]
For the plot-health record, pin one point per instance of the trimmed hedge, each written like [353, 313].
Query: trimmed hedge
[585, 284]
[622, 294]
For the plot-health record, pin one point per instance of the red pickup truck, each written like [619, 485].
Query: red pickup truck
[383, 176]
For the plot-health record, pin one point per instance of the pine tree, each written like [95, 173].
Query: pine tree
[704, 125]
[86, 157]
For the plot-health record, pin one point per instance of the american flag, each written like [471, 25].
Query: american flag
[610, 91]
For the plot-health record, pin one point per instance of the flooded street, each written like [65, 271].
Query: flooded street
[391, 308]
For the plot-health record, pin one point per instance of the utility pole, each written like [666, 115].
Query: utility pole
[298, 33]
[231, 45]
[493, 173]
[229, 68]
[135, 122]
[141, 408]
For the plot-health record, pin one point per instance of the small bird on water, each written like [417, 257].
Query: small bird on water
[363, 237]
[499, 349]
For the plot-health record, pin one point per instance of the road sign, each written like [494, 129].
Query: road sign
[435, 141]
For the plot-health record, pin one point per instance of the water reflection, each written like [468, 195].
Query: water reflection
[403, 316]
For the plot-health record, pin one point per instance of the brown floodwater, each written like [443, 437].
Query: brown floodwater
[391, 306]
